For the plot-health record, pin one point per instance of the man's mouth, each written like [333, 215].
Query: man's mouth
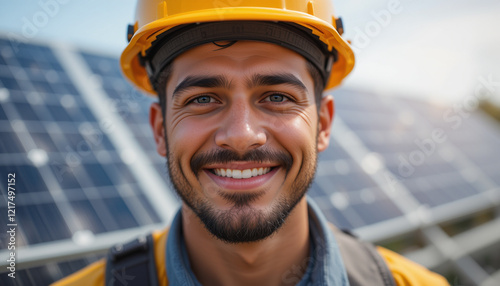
[241, 174]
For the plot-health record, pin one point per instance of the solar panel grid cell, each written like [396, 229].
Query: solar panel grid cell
[9, 143]
[3, 63]
[9, 83]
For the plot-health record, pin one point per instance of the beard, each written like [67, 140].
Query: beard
[241, 223]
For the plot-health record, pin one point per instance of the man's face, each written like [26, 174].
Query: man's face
[242, 127]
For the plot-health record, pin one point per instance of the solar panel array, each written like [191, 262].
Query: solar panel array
[415, 151]
[389, 157]
[70, 180]
[131, 105]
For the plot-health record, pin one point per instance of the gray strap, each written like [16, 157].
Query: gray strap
[132, 263]
[363, 263]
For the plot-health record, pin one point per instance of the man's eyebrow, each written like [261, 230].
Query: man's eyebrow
[201, 81]
[276, 79]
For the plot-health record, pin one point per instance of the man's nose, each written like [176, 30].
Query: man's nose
[241, 130]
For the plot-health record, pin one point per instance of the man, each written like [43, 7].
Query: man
[241, 118]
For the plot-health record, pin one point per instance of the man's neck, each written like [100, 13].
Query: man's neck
[265, 262]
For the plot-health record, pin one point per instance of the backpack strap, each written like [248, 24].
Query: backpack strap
[132, 263]
[363, 264]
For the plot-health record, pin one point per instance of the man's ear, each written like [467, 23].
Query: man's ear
[326, 112]
[156, 122]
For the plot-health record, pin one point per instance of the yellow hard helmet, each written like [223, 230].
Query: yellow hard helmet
[305, 26]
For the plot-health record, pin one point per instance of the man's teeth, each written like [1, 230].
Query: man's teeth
[241, 174]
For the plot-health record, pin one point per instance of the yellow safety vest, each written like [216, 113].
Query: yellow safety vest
[404, 271]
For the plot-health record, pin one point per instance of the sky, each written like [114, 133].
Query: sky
[441, 50]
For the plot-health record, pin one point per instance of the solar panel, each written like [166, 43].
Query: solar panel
[131, 105]
[77, 136]
[70, 177]
[436, 160]
[346, 193]
[45, 274]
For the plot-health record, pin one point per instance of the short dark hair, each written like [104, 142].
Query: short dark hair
[164, 76]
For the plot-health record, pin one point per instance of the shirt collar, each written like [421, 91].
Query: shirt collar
[324, 266]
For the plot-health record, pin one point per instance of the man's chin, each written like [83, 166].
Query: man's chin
[242, 224]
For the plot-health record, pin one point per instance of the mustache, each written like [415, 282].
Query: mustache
[223, 156]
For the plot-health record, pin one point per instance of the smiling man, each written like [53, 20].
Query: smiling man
[241, 118]
[242, 130]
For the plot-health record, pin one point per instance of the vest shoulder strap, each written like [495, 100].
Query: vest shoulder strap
[363, 263]
[132, 263]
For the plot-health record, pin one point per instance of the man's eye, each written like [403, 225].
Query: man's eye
[203, 99]
[276, 97]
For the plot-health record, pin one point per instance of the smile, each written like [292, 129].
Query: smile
[241, 174]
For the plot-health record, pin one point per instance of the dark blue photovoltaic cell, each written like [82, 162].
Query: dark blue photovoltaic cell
[44, 275]
[58, 113]
[3, 210]
[9, 143]
[41, 223]
[371, 212]
[39, 86]
[43, 141]
[88, 115]
[65, 175]
[148, 207]
[26, 111]
[28, 179]
[3, 116]
[4, 174]
[76, 141]
[120, 174]
[119, 210]
[9, 83]
[88, 216]
[98, 175]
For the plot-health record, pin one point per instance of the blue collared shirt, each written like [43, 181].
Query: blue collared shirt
[324, 265]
